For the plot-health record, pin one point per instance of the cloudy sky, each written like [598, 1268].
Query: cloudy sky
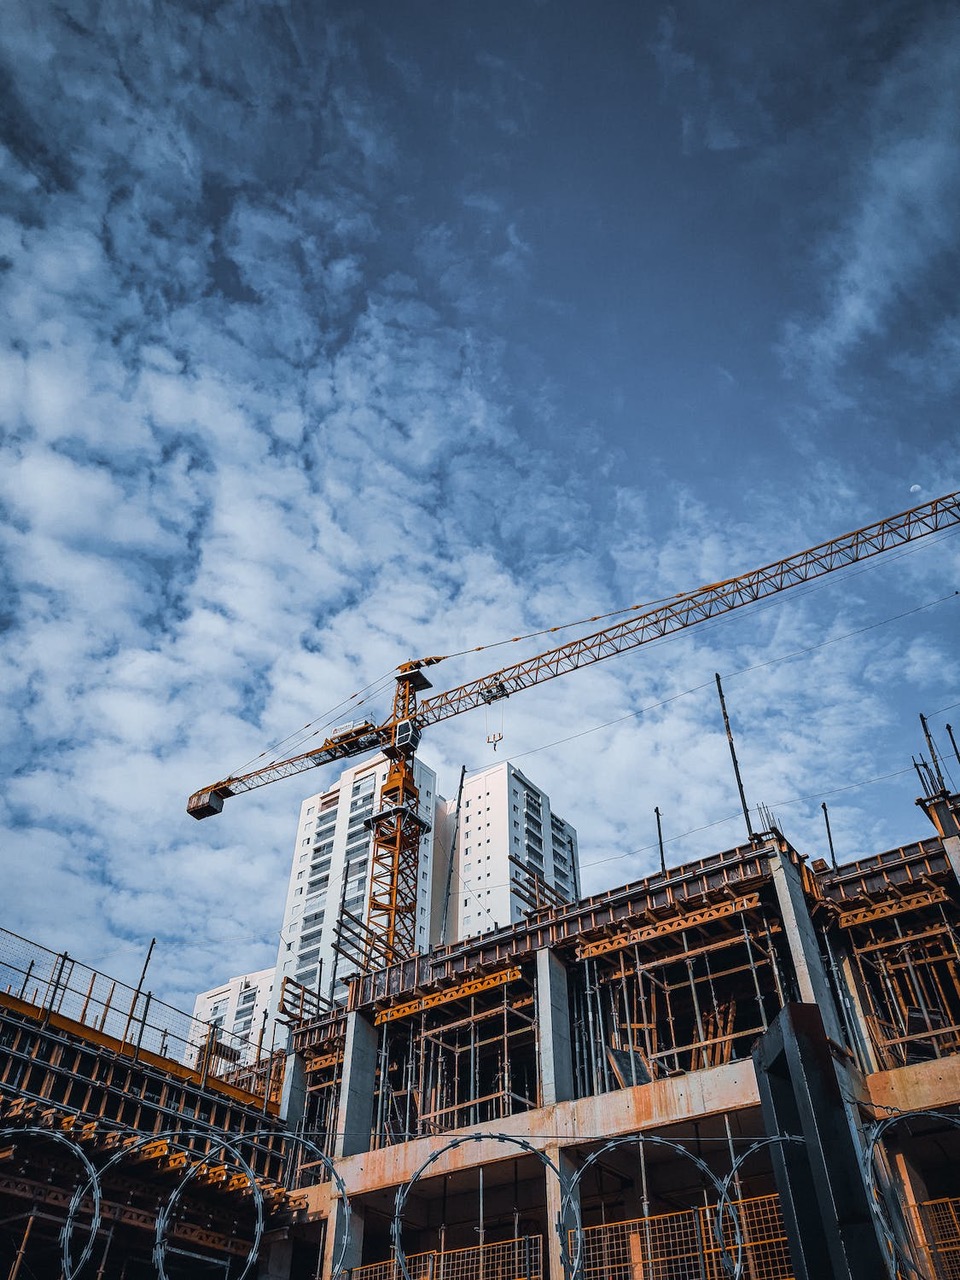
[337, 334]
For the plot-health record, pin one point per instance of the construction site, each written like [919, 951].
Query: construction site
[744, 1066]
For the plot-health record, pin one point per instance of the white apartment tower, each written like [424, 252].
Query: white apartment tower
[331, 865]
[509, 843]
[236, 1008]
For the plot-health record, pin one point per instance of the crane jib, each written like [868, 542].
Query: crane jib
[684, 610]
[697, 606]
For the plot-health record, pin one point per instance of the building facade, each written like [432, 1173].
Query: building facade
[747, 1065]
[512, 854]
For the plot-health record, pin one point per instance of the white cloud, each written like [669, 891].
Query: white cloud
[254, 458]
[901, 200]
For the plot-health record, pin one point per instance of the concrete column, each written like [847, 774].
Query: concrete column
[355, 1111]
[333, 1241]
[912, 1193]
[812, 982]
[825, 1205]
[553, 1024]
[276, 1259]
[293, 1097]
[944, 812]
[555, 1229]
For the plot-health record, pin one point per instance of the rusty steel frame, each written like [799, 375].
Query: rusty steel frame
[432, 1063]
[472, 987]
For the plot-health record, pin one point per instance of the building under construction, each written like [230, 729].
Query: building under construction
[745, 1066]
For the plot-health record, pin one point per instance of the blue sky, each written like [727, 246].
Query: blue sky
[334, 335]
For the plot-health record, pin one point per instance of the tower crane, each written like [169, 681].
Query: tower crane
[397, 825]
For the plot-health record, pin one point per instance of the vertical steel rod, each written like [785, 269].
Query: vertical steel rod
[826, 819]
[933, 752]
[733, 757]
[15, 1269]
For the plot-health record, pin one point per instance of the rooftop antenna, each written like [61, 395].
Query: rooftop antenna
[733, 756]
[826, 819]
[663, 861]
[935, 767]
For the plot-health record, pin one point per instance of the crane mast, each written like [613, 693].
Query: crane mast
[397, 827]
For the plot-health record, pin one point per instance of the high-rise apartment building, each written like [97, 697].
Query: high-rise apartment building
[512, 851]
[236, 1010]
[331, 866]
[510, 844]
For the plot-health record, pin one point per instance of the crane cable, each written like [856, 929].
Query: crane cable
[889, 558]
[757, 666]
[315, 727]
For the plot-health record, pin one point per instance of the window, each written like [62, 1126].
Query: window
[300, 875]
[310, 810]
[305, 840]
[298, 892]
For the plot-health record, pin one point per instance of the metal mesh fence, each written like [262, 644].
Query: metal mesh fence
[419, 1265]
[55, 983]
[519, 1259]
[683, 1245]
[940, 1228]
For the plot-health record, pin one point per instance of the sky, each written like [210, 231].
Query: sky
[334, 335]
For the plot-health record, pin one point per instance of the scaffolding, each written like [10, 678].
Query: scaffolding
[897, 922]
[670, 1002]
[467, 1060]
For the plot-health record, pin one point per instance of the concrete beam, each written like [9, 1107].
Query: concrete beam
[921, 1086]
[694, 1096]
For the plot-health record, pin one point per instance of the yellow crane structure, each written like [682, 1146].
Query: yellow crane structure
[398, 827]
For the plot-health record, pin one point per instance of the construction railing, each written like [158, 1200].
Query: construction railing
[55, 983]
[684, 1246]
[518, 1259]
[939, 1229]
